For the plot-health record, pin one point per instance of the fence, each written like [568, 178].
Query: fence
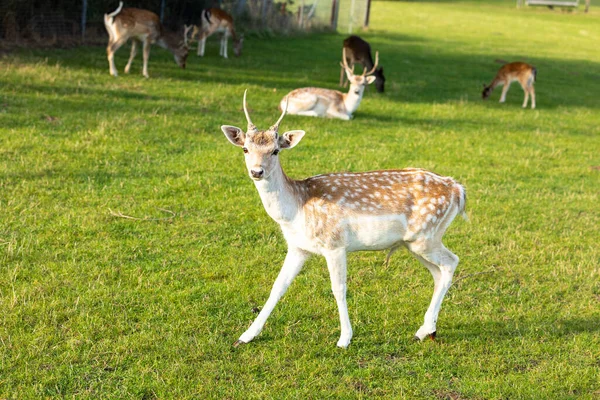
[56, 22]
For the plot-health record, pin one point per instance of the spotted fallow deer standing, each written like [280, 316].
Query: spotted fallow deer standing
[318, 102]
[216, 20]
[521, 72]
[359, 51]
[143, 26]
[333, 214]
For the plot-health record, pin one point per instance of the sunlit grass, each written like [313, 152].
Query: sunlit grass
[98, 306]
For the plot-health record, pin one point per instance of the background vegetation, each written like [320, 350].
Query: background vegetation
[94, 305]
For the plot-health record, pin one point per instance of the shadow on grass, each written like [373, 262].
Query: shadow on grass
[500, 330]
[416, 73]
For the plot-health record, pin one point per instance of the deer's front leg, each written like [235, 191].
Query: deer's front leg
[504, 91]
[336, 263]
[339, 115]
[294, 260]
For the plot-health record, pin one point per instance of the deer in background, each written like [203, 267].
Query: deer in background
[143, 26]
[359, 51]
[216, 20]
[317, 102]
[334, 214]
[521, 72]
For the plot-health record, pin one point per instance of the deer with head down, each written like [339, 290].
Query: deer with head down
[140, 26]
[334, 214]
[215, 20]
[318, 102]
[359, 51]
[521, 72]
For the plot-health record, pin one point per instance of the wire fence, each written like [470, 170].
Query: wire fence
[73, 22]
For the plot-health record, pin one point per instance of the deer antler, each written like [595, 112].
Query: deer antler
[374, 66]
[275, 127]
[345, 63]
[251, 126]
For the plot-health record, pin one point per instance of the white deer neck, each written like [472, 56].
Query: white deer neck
[279, 196]
[352, 100]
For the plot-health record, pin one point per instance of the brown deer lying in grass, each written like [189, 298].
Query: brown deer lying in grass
[318, 102]
[359, 51]
[143, 26]
[522, 72]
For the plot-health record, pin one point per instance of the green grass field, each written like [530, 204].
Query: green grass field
[93, 305]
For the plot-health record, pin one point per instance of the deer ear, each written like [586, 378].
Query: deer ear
[290, 139]
[370, 79]
[234, 134]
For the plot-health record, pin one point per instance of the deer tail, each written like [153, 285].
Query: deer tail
[206, 15]
[109, 19]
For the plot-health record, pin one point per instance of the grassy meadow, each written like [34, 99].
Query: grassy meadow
[97, 305]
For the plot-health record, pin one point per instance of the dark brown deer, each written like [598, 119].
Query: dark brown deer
[358, 51]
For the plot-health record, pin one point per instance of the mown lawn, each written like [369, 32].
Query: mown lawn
[93, 305]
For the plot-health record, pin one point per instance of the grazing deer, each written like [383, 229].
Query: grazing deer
[359, 51]
[216, 20]
[144, 26]
[317, 102]
[524, 73]
[333, 214]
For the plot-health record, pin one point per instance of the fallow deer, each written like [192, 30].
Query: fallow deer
[216, 20]
[317, 102]
[143, 26]
[359, 51]
[334, 214]
[521, 72]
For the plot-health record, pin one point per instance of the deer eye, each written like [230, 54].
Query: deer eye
[245, 150]
[275, 152]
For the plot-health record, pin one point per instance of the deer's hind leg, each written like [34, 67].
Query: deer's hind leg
[111, 49]
[131, 55]
[526, 99]
[146, 57]
[201, 45]
[441, 263]
[529, 88]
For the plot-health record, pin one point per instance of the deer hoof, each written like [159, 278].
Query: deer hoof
[430, 336]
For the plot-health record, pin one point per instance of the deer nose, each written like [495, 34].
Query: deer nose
[257, 173]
